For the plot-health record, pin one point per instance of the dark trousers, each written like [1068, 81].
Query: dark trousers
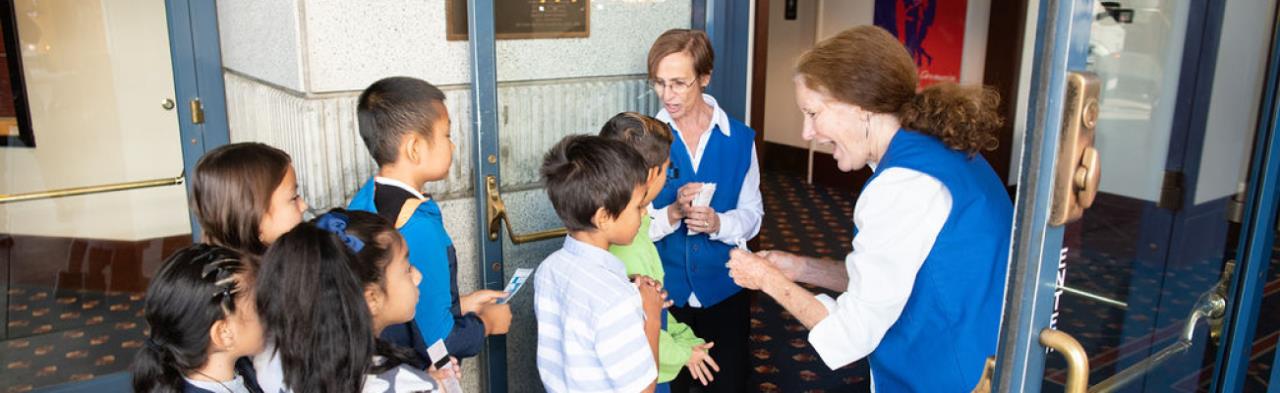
[727, 324]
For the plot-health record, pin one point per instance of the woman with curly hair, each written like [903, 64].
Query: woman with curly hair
[921, 292]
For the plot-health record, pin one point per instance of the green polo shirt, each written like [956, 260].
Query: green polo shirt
[675, 344]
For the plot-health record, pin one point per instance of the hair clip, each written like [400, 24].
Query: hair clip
[222, 273]
[337, 224]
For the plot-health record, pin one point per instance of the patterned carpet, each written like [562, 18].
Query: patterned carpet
[72, 337]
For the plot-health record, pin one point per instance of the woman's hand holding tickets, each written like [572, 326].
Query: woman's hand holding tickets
[789, 264]
[703, 219]
[678, 210]
[749, 270]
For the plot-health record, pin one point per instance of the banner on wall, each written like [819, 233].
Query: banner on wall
[932, 31]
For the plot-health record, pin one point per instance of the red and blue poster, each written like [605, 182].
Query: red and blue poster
[932, 31]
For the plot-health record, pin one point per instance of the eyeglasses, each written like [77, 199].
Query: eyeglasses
[677, 86]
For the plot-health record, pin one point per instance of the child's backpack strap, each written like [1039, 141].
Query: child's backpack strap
[406, 211]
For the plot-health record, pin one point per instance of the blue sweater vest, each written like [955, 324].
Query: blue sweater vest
[695, 263]
[951, 320]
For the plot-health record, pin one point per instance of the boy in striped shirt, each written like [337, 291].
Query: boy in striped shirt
[597, 331]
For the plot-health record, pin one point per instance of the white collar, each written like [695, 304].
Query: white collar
[386, 181]
[718, 117]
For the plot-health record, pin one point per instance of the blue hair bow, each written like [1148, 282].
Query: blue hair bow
[337, 223]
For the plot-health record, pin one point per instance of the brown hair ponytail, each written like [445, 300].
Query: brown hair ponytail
[866, 66]
[963, 117]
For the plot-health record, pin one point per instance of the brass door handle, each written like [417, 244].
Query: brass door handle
[1077, 359]
[988, 372]
[1078, 170]
[1087, 177]
[496, 210]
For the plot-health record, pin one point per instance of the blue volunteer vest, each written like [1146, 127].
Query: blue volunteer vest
[950, 322]
[695, 263]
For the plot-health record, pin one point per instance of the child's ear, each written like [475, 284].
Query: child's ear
[221, 335]
[409, 147]
[601, 219]
[374, 297]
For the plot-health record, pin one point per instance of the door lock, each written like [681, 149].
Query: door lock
[1079, 170]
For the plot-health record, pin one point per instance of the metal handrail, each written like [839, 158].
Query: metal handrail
[98, 189]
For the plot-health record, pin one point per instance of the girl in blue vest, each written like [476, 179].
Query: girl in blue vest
[694, 240]
[922, 289]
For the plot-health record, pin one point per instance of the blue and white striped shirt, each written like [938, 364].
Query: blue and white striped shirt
[590, 323]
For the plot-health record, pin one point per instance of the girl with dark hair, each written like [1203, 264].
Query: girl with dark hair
[200, 309]
[328, 289]
[245, 195]
[922, 289]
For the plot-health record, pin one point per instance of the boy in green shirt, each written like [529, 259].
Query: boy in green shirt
[677, 345]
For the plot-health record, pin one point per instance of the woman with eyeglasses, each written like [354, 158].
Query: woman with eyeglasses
[715, 156]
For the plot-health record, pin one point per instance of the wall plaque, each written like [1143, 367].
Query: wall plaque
[523, 19]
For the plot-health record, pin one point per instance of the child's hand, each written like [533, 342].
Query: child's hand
[701, 365]
[652, 297]
[453, 371]
[496, 317]
[472, 302]
[646, 280]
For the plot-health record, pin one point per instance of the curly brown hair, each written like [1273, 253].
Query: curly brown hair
[867, 67]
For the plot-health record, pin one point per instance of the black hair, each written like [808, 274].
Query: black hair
[584, 173]
[194, 288]
[392, 107]
[314, 310]
[650, 137]
[378, 239]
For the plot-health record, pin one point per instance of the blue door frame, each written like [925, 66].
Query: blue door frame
[1061, 47]
[197, 75]
[1256, 238]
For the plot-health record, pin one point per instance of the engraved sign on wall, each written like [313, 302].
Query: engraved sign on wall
[522, 19]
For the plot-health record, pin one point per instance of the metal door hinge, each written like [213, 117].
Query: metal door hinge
[1171, 191]
[1235, 208]
[197, 111]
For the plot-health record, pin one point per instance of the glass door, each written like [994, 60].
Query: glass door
[99, 108]
[1142, 281]
[545, 70]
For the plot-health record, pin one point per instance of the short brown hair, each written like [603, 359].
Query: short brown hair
[867, 66]
[231, 191]
[586, 173]
[392, 107]
[649, 136]
[693, 42]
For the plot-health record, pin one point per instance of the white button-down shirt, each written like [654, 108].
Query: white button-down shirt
[898, 216]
